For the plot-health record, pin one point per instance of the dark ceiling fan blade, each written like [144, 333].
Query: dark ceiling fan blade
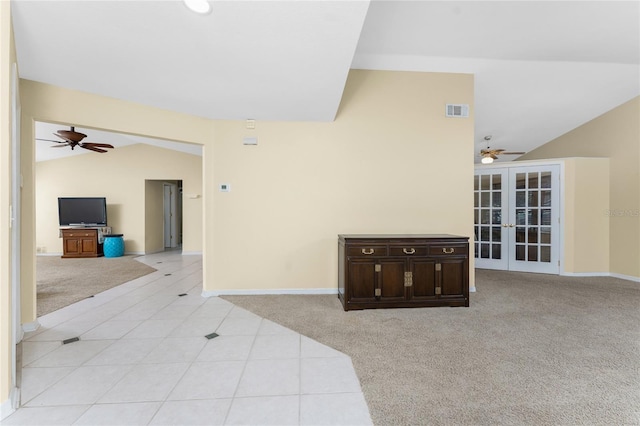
[100, 145]
[491, 151]
[92, 148]
[71, 135]
[67, 140]
[50, 140]
[62, 145]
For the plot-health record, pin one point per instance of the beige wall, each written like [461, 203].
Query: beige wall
[390, 163]
[120, 177]
[42, 102]
[586, 227]
[615, 135]
[7, 59]
[154, 216]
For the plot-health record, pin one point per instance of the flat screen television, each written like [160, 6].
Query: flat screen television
[82, 211]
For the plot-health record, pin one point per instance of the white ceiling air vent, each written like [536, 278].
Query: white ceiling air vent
[457, 110]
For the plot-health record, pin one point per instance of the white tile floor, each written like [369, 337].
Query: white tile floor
[142, 358]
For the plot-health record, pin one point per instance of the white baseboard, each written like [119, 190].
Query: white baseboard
[214, 293]
[48, 254]
[601, 274]
[192, 253]
[585, 274]
[30, 326]
[9, 406]
[626, 277]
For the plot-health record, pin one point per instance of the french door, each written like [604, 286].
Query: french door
[517, 218]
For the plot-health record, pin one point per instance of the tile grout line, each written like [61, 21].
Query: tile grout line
[244, 367]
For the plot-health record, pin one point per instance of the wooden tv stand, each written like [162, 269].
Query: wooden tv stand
[402, 271]
[82, 242]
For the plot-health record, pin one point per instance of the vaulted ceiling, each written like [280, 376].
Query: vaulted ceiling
[541, 68]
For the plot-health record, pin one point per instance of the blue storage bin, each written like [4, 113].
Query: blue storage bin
[113, 245]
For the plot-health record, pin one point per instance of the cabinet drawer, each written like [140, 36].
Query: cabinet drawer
[78, 233]
[407, 250]
[364, 251]
[452, 249]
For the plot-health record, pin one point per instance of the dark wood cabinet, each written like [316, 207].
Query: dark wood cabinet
[82, 242]
[396, 271]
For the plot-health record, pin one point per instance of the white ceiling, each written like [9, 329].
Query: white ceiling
[541, 68]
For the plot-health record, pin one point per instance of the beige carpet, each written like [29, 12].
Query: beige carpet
[61, 282]
[531, 350]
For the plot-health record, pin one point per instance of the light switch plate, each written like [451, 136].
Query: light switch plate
[225, 187]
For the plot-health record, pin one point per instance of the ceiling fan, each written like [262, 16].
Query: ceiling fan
[488, 155]
[72, 138]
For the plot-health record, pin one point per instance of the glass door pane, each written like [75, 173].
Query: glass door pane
[535, 217]
[489, 211]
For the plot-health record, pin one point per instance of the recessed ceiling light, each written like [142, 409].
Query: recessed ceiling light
[198, 6]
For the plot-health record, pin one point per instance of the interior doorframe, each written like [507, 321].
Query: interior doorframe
[170, 206]
[15, 224]
[561, 192]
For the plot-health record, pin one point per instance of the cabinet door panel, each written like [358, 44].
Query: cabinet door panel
[453, 271]
[71, 246]
[392, 280]
[424, 277]
[362, 280]
[88, 245]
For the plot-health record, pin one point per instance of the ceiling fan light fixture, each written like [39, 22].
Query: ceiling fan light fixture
[486, 160]
[201, 7]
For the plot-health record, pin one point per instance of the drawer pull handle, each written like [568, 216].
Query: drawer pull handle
[408, 251]
[367, 251]
[447, 250]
